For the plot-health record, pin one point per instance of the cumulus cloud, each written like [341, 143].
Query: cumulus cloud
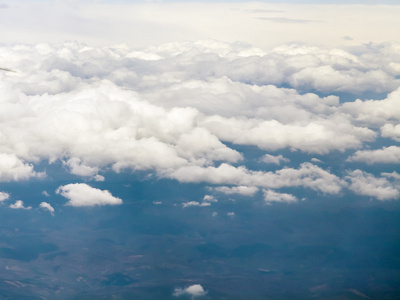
[376, 112]
[241, 190]
[209, 198]
[319, 136]
[195, 290]
[179, 110]
[386, 155]
[81, 194]
[271, 196]
[366, 184]
[47, 206]
[195, 203]
[19, 204]
[4, 196]
[271, 159]
[393, 175]
[391, 131]
[308, 175]
[13, 169]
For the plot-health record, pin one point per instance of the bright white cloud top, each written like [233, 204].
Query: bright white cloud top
[4, 196]
[176, 113]
[195, 290]
[19, 204]
[47, 206]
[81, 194]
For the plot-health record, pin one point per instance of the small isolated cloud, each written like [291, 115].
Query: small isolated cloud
[47, 206]
[271, 159]
[241, 190]
[210, 198]
[45, 193]
[4, 196]
[271, 196]
[363, 183]
[214, 214]
[81, 194]
[19, 204]
[386, 155]
[157, 202]
[316, 160]
[195, 290]
[195, 203]
[99, 178]
[231, 214]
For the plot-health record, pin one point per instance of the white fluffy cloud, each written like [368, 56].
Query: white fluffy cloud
[386, 155]
[19, 204]
[375, 112]
[81, 194]
[271, 196]
[308, 175]
[47, 206]
[366, 184]
[271, 159]
[195, 203]
[13, 169]
[195, 290]
[241, 190]
[391, 131]
[4, 196]
[176, 109]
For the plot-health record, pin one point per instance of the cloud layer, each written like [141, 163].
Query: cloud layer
[81, 194]
[179, 110]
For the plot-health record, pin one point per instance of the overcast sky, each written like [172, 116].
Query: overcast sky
[140, 24]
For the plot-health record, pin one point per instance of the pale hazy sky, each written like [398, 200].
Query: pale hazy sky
[141, 24]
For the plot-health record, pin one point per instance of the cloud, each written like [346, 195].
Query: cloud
[391, 131]
[78, 168]
[376, 112]
[271, 196]
[81, 194]
[321, 136]
[308, 175]
[179, 110]
[13, 169]
[195, 290]
[366, 184]
[4, 196]
[195, 203]
[386, 155]
[241, 190]
[393, 175]
[47, 206]
[209, 198]
[271, 159]
[19, 204]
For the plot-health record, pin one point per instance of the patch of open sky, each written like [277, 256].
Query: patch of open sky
[343, 96]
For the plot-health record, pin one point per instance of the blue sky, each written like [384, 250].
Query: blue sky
[199, 150]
